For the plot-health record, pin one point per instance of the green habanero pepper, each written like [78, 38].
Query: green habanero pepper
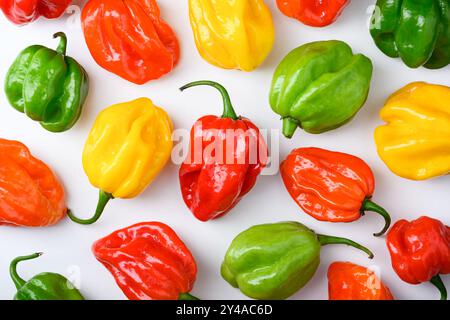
[274, 261]
[48, 86]
[320, 86]
[417, 31]
[44, 286]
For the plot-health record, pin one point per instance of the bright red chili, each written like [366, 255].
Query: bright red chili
[25, 11]
[420, 251]
[30, 193]
[129, 38]
[226, 156]
[315, 13]
[149, 262]
[331, 186]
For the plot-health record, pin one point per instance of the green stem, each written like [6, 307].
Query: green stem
[62, 47]
[325, 240]
[368, 205]
[290, 125]
[228, 110]
[437, 282]
[18, 281]
[187, 296]
[103, 200]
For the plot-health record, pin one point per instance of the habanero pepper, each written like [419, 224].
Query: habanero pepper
[30, 193]
[213, 182]
[420, 251]
[44, 286]
[149, 262]
[274, 261]
[21, 12]
[130, 39]
[331, 186]
[48, 86]
[129, 144]
[312, 12]
[349, 281]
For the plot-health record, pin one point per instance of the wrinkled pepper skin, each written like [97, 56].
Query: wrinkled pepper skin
[416, 31]
[331, 186]
[320, 86]
[129, 144]
[44, 286]
[48, 86]
[420, 251]
[21, 12]
[149, 262]
[312, 12]
[130, 39]
[30, 193]
[415, 141]
[212, 183]
[349, 281]
[232, 34]
[274, 261]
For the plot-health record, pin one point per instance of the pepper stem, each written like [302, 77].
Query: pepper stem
[103, 200]
[18, 281]
[290, 125]
[62, 47]
[325, 240]
[368, 205]
[187, 296]
[437, 282]
[228, 110]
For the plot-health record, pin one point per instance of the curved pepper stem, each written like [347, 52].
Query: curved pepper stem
[18, 281]
[437, 282]
[290, 125]
[325, 240]
[228, 110]
[62, 47]
[368, 205]
[103, 200]
[187, 296]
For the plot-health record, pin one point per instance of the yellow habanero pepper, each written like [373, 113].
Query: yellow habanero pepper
[128, 146]
[415, 142]
[232, 34]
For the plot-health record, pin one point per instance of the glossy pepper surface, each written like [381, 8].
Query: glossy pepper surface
[420, 251]
[416, 31]
[129, 38]
[320, 86]
[232, 34]
[149, 262]
[415, 141]
[349, 281]
[48, 86]
[25, 11]
[30, 193]
[331, 186]
[274, 261]
[312, 12]
[226, 156]
[44, 286]
[129, 144]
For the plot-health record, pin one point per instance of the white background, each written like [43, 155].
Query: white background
[67, 245]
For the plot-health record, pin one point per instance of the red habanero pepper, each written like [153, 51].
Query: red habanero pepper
[30, 193]
[420, 251]
[331, 186]
[149, 262]
[225, 158]
[348, 281]
[129, 38]
[315, 13]
[25, 11]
